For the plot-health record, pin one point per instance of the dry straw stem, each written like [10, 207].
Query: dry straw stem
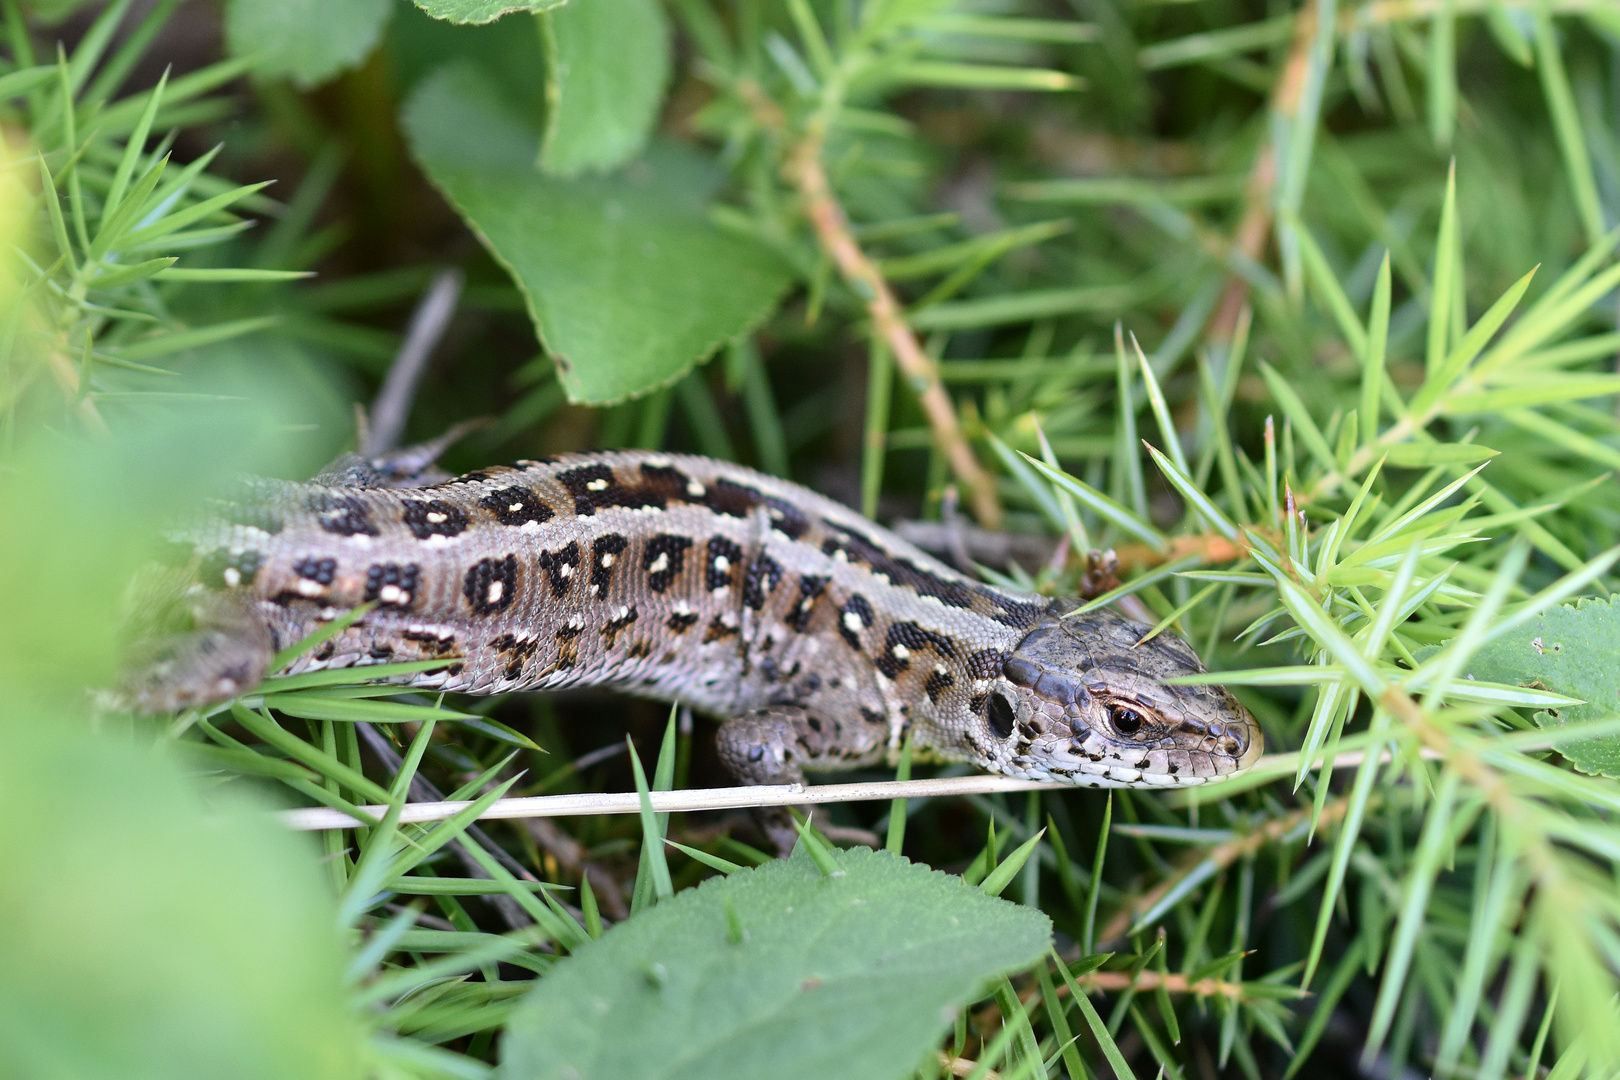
[961, 1066]
[1153, 980]
[1255, 224]
[805, 170]
[1384, 12]
[727, 798]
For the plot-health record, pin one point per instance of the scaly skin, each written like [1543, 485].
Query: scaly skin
[820, 638]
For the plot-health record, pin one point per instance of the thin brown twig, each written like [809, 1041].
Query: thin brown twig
[961, 1066]
[1154, 980]
[1254, 227]
[804, 169]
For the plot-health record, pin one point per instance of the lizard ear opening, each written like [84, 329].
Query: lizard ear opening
[1001, 714]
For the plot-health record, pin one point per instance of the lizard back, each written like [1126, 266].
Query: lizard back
[692, 580]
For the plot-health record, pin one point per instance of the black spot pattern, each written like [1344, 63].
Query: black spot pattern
[594, 487]
[764, 575]
[986, 663]
[491, 585]
[939, 680]
[434, 518]
[663, 558]
[614, 627]
[909, 637]
[215, 569]
[320, 571]
[857, 606]
[517, 506]
[739, 500]
[517, 653]
[604, 555]
[718, 576]
[811, 586]
[560, 567]
[1009, 612]
[858, 547]
[731, 499]
[342, 515]
[681, 621]
[717, 630]
[430, 641]
[404, 578]
[786, 518]
[567, 648]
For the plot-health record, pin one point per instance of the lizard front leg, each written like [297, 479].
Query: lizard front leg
[776, 744]
[228, 652]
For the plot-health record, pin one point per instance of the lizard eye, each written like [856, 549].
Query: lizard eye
[1125, 721]
[1001, 714]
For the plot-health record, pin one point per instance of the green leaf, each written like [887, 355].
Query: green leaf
[627, 281]
[17, 83]
[853, 976]
[607, 63]
[125, 275]
[307, 41]
[481, 11]
[1423, 455]
[153, 976]
[1574, 650]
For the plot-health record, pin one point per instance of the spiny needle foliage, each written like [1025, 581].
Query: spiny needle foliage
[1305, 312]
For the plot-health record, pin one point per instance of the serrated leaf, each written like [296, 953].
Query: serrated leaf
[627, 281]
[477, 12]
[1573, 650]
[853, 976]
[607, 63]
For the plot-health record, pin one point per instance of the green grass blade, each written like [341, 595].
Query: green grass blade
[1567, 126]
[1445, 264]
[1420, 883]
[999, 878]
[654, 864]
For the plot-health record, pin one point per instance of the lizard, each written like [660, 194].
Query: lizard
[819, 638]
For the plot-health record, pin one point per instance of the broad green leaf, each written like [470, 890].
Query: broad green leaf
[1574, 650]
[481, 11]
[627, 281]
[775, 971]
[145, 933]
[607, 65]
[307, 41]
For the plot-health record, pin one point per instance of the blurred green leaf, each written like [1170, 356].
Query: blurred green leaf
[307, 41]
[607, 63]
[481, 11]
[775, 971]
[628, 283]
[146, 934]
[1574, 650]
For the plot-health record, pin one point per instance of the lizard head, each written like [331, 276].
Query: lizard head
[1080, 701]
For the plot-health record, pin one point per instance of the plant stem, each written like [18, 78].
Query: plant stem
[804, 169]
